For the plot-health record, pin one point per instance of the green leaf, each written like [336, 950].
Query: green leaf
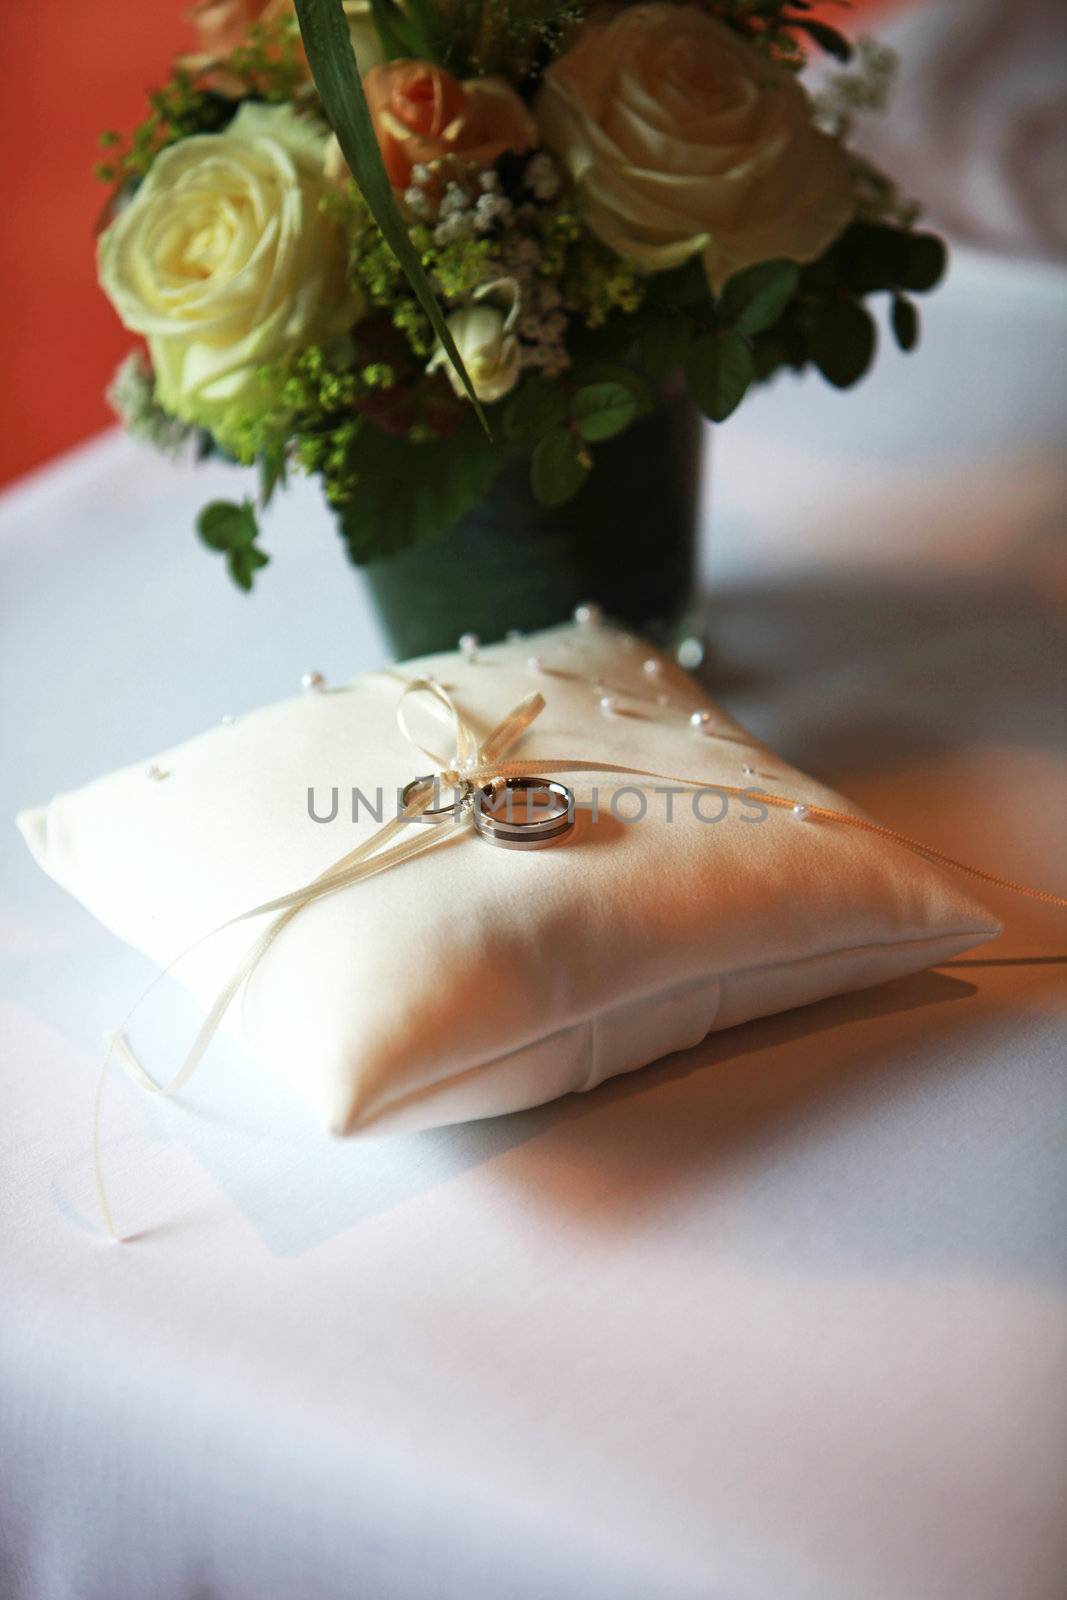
[841, 341]
[873, 255]
[925, 263]
[393, 29]
[768, 354]
[533, 408]
[905, 320]
[686, 285]
[333, 67]
[753, 300]
[244, 563]
[407, 493]
[720, 369]
[834, 43]
[588, 372]
[663, 340]
[427, 35]
[224, 525]
[602, 410]
[558, 468]
[272, 472]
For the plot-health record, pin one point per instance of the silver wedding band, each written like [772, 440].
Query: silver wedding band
[495, 807]
[444, 813]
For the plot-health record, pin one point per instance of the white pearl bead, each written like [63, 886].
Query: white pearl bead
[313, 681]
[587, 613]
[651, 667]
[689, 654]
[468, 646]
[153, 771]
[800, 810]
[700, 720]
[535, 664]
[608, 704]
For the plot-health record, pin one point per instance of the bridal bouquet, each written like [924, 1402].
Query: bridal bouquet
[402, 245]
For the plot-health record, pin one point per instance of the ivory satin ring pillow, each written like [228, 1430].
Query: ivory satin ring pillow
[467, 981]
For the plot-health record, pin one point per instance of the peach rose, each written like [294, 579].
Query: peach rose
[421, 114]
[223, 25]
[683, 140]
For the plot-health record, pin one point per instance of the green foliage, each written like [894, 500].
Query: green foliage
[533, 408]
[266, 65]
[514, 38]
[333, 66]
[232, 530]
[269, 61]
[841, 340]
[720, 368]
[925, 265]
[558, 468]
[773, 26]
[753, 300]
[395, 32]
[662, 341]
[554, 421]
[873, 256]
[594, 281]
[827, 323]
[455, 267]
[403, 493]
[601, 410]
[178, 110]
[904, 318]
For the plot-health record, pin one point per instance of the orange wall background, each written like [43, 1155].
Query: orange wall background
[71, 68]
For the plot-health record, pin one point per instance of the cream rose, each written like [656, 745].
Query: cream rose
[484, 336]
[224, 262]
[683, 140]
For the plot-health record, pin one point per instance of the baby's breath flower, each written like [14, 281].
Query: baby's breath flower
[460, 225]
[542, 176]
[491, 211]
[419, 203]
[454, 200]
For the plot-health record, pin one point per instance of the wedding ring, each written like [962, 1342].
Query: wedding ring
[440, 813]
[523, 813]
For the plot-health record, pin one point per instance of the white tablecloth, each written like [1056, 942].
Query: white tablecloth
[784, 1316]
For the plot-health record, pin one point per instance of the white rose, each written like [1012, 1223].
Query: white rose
[224, 262]
[683, 139]
[486, 343]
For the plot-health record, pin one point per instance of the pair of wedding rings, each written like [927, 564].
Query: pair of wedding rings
[524, 813]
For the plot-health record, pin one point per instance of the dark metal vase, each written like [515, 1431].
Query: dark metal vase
[627, 540]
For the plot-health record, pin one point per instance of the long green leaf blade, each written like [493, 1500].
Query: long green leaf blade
[333, 67]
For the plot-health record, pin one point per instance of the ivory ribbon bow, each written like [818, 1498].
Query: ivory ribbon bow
[468, 761]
